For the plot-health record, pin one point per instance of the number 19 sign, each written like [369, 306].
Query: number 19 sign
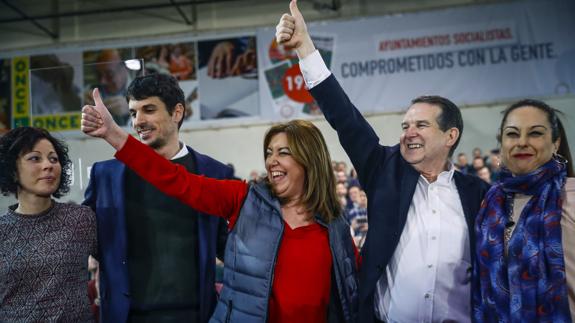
[294, 85]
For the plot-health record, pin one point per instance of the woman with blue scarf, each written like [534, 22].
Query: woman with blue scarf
[525, 253]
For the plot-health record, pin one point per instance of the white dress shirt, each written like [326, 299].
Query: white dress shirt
[182, 152]
[428, 277]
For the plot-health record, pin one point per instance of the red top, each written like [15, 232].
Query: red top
[302, 274]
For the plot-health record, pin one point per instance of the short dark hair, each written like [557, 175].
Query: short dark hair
[21, 140]
[163, 86]
[450, 116]
[557, 130]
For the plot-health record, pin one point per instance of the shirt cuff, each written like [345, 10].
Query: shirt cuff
[313, 69]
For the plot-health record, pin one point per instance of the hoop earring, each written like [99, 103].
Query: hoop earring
[560, 159]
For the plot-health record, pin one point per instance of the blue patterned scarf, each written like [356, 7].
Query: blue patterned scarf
[528, 286]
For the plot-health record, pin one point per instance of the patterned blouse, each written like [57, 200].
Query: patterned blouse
[44, 264]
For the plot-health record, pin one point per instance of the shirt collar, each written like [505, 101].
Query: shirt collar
[183, 151]
[444, 178]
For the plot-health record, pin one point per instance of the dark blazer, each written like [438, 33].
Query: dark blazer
[105, 195]
[389, 182]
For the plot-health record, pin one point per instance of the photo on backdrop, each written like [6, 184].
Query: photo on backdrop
[178, 60]
[228, 78]
[107, 69]
[55, 91]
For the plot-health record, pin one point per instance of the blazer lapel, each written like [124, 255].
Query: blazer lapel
[408, 185]
[466, 194]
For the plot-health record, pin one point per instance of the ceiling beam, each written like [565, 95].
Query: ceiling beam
[109, 10]
[188, 22]
[32, 20]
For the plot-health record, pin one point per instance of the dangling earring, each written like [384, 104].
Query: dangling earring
[560, 159]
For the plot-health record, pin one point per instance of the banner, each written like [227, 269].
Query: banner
[471, 55]
[20, 94]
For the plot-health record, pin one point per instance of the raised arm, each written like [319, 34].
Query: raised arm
[355, 134]
[216, 197]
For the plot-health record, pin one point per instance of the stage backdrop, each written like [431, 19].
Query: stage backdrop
[471, 55]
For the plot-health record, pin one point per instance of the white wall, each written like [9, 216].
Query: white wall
[242, 145]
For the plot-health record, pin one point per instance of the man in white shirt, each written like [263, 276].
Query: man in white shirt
[419, 248]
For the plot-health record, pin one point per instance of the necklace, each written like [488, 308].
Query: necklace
[510, 224]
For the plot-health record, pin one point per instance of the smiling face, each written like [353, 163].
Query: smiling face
[422, 143]
[38, 171]
[154, 125]
[286, 175]
[526, 140]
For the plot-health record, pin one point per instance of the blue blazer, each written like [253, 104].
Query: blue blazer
[105, 195]
[389, 182]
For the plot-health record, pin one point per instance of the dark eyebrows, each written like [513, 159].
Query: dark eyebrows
[38, 152]
[147, 106]
[538, 126]
[417, 122]
[530, 128]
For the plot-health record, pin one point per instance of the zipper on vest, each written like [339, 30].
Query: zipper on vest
[229, 312]
[274, 266]
[340, 290]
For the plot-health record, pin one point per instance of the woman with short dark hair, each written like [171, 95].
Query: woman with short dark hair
[44, 244]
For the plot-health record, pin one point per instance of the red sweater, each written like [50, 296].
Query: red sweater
[302, 274]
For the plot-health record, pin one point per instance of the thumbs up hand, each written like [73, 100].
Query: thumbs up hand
[291, 32]
[94, 117]
[98, 122]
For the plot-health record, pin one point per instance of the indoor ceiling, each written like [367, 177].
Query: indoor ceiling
[26, 24]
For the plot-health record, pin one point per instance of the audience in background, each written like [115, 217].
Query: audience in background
[485, 174]
[494, 164]
[489, 172]
[462, 164]
[477, 164]
[353, 195]
[477, 153]
[341, 192]
[358, 219]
